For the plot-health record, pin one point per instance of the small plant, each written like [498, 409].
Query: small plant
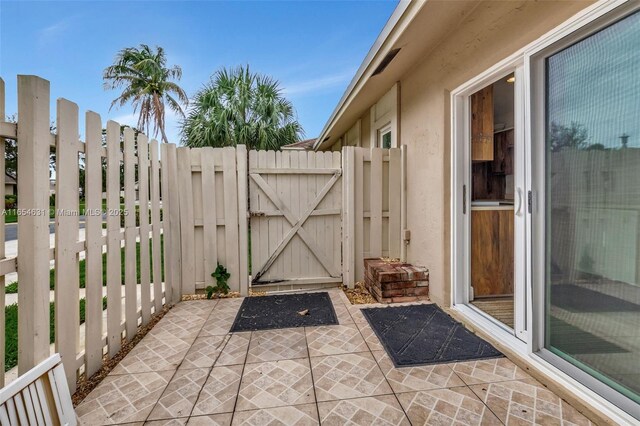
[222, 276]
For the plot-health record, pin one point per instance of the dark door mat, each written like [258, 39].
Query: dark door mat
[425, 334]
[573, 340]
[281, 311]
[574, 298]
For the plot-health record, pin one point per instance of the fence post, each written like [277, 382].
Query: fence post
[186, 221]
[177, 259]
[33, 224]
[243, 218]
[67, 317]
[93, 238]
[403, 201]
[2, 238]
[114, 261]
[349, 223]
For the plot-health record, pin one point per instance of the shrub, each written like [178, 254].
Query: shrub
[222, 276]
[10, 201]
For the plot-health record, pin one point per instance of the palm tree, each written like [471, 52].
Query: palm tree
[146, 82]
[238, 107]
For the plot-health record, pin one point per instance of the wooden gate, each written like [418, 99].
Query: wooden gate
[296, 209]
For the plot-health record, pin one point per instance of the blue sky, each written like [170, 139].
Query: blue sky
[312, 48]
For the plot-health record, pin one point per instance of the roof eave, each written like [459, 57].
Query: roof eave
[397, 23]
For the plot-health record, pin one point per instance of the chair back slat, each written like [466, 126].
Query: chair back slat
[38, 397]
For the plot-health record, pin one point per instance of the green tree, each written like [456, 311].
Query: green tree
[573, 136]
[147, 83]
[239, 107]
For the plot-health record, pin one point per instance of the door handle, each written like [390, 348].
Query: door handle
[519, 209]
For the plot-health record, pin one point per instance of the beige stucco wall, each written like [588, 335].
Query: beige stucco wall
[487, 35]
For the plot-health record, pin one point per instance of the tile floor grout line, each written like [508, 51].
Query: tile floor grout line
[489, 408]
[384, 375]
[313, 383]
[146, 419]
[224, 343]
[244, 364]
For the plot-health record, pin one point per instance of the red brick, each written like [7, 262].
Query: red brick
[397, 285]
[421, 291]
[393, 293]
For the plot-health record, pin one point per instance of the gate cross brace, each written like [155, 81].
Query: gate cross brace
[296, 224]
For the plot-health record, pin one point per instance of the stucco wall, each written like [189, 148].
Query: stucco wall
[490, 33]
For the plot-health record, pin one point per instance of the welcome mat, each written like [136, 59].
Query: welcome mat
[283, 311]
[425, 334]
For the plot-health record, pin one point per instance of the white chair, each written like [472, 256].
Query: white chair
[38, 397]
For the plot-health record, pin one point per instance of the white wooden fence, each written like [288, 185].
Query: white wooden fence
[213, 214]
[142, 170]
[316, 217]
[373, 207]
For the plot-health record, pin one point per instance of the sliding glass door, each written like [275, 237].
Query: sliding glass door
[591, 203]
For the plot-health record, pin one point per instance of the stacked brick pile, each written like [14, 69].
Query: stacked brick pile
[394, 282]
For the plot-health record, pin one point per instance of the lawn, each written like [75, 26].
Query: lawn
[13, 287]
[11, 311]
[11, 330]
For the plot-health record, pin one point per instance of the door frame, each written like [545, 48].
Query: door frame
[461, 195]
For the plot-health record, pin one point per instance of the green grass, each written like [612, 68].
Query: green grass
[11, 330]
[13, 287]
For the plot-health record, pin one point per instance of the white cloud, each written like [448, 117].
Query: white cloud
[53, 31]
[319, 84]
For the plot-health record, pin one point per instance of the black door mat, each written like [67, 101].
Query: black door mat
[282, 311]
[424, 334]
[574, 298]
[573, 340]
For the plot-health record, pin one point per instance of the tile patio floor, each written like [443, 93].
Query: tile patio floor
[190, 370]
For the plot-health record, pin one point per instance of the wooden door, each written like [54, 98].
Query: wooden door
[295, 205]
[482, 125]
[492, 252]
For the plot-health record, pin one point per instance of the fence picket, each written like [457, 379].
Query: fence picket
[359, 211]
[143, 203]
[243, 243]
[67, 274]
[186, 221]
[394, 203]
[93, 238]
[209, 217]
[114, 279]
[375, 203]
[231, 215]
[169, 260]
[33, 229]
[156, 227]
[130, 270]
[2, 236]
[177, 259]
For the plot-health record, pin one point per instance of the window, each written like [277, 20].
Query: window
[384, 137]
